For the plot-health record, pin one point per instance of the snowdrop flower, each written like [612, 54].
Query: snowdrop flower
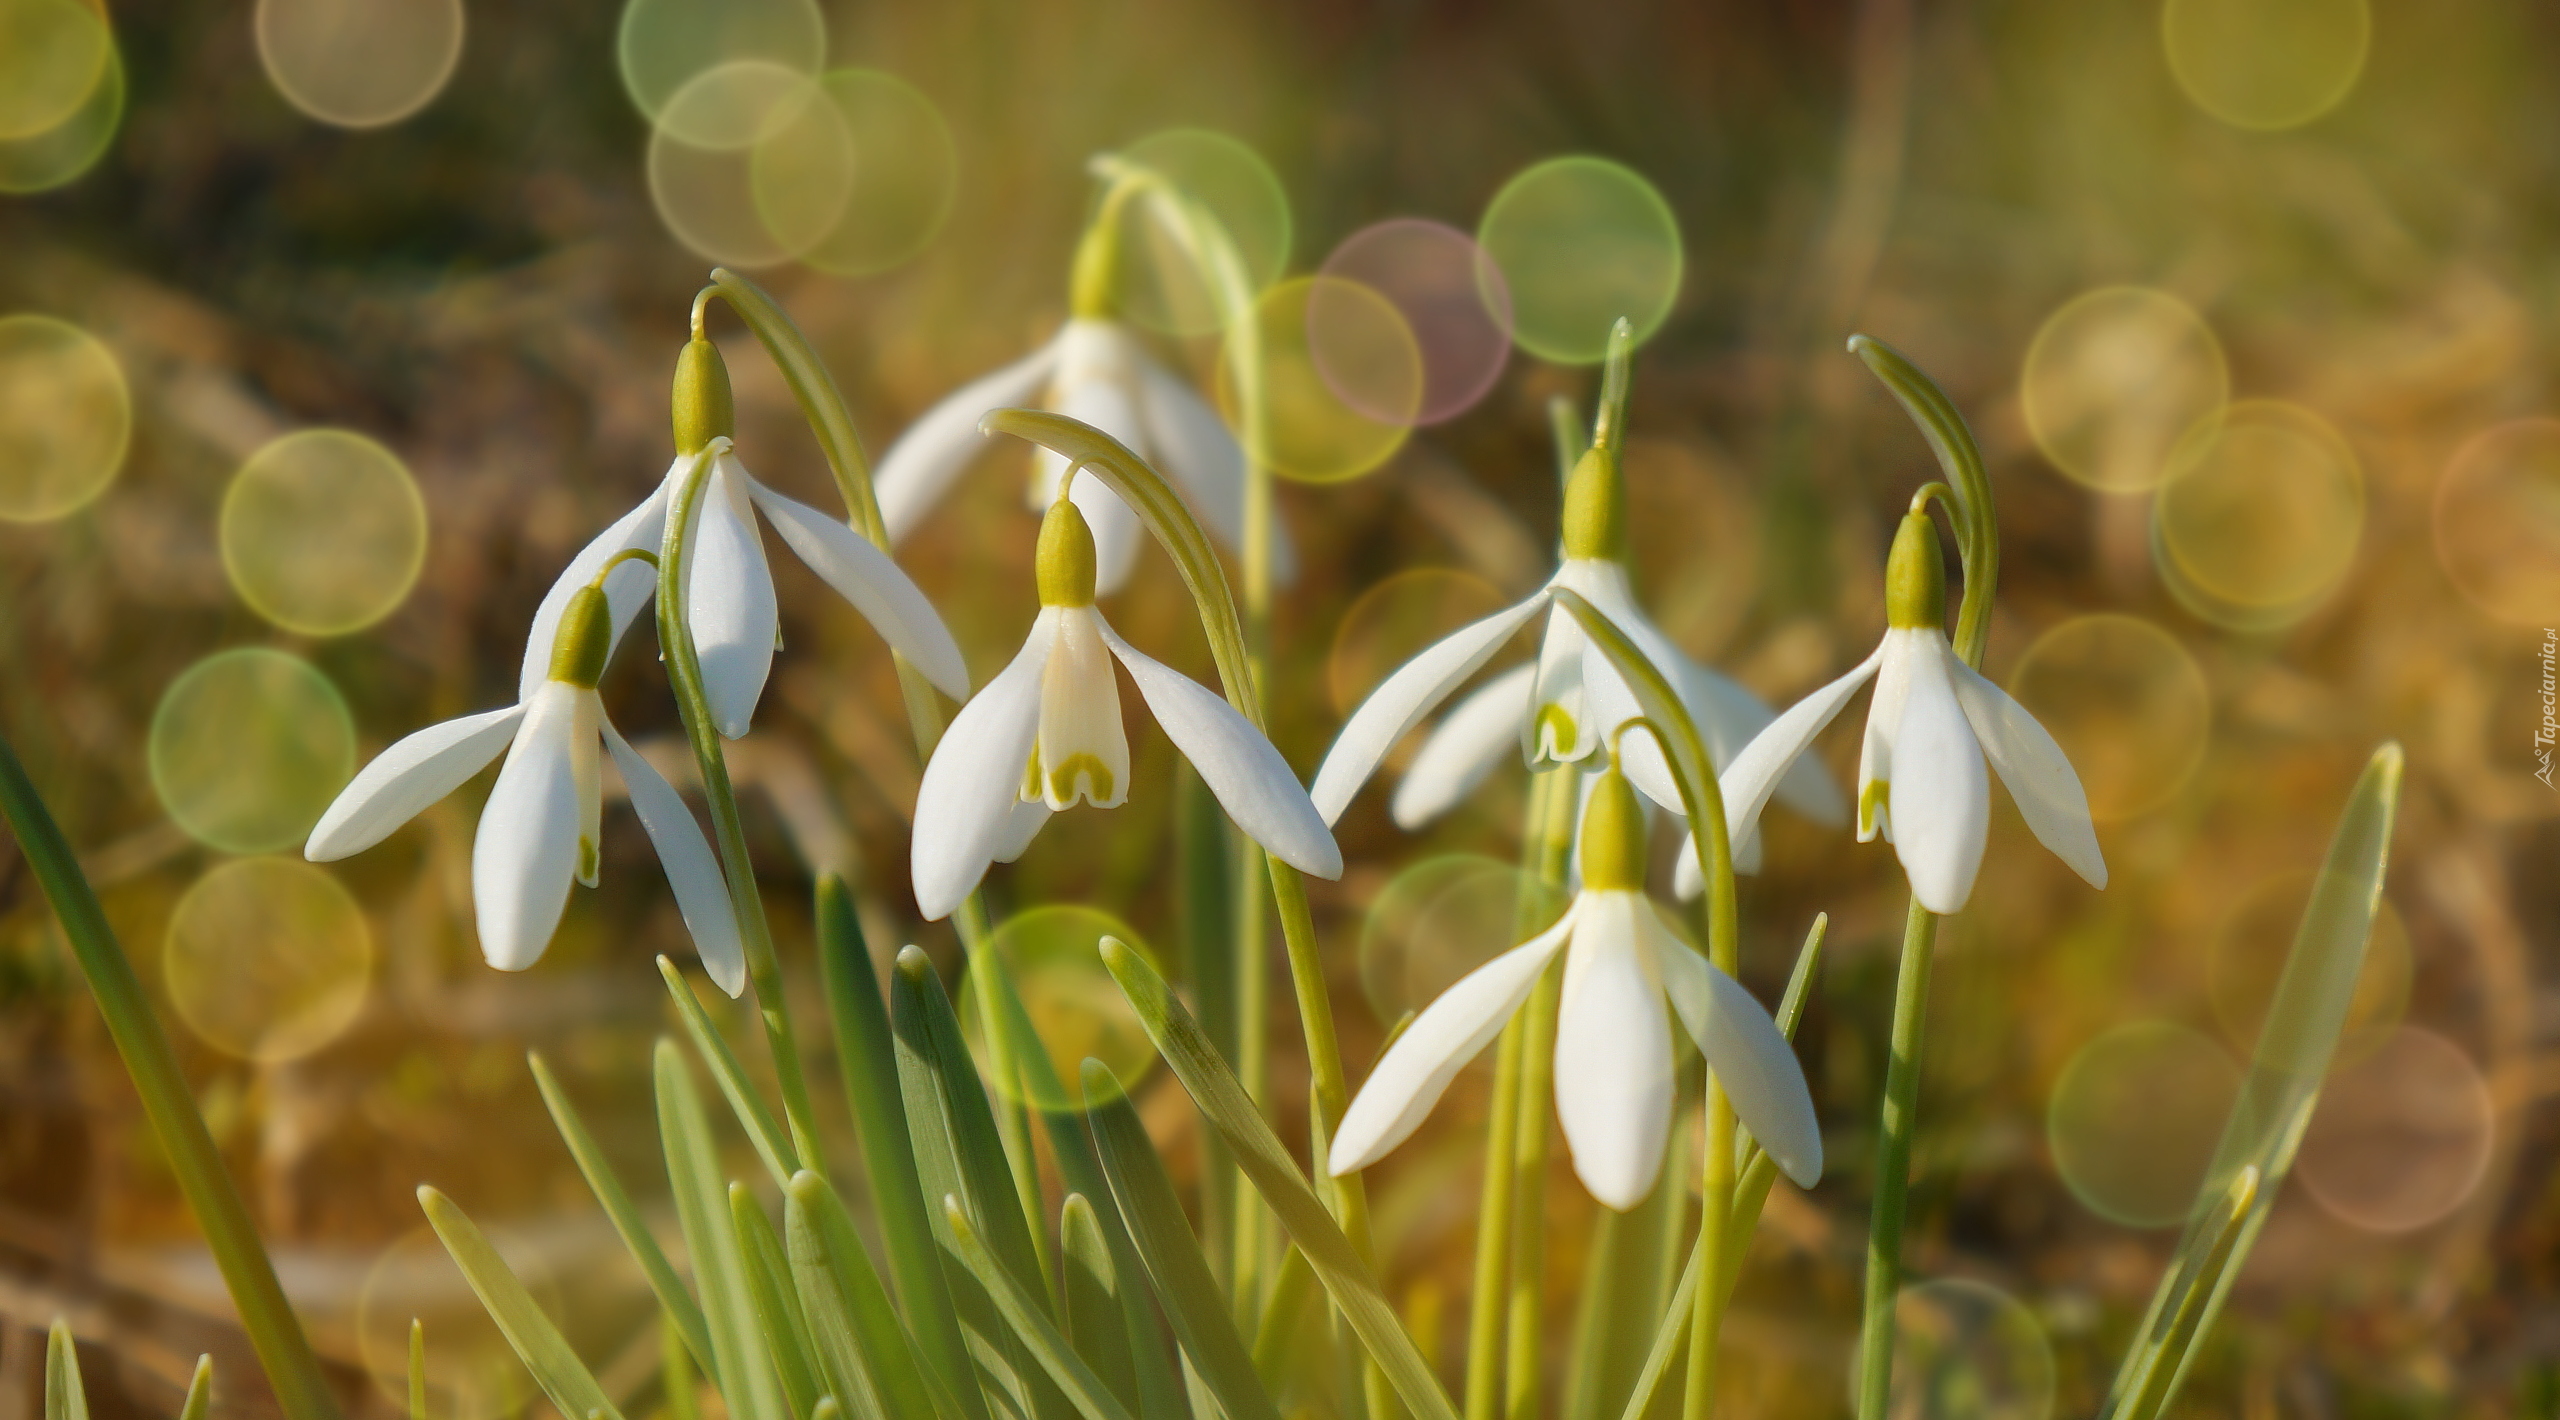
[729, 599]
[1932, 722]
[539, 828]
[1561, 707]
[1046, 733]
[1095, 369]
[1613, 1067]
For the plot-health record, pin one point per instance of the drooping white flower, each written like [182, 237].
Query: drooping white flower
[1932, 723]
[1613, 1066]
[1046, 734]
[539, 828]
[1096, 370]
[1561, 708]
[729, 586]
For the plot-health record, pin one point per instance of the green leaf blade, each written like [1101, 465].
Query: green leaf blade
[537, 1342]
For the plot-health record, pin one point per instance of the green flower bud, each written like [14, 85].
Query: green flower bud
[1066, 564]
[1915, 577]
[585, 638]
[1595, 508]
[1613, 836]
[703, 408]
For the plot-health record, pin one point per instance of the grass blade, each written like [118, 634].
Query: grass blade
[870, 1359]
[417, 1369]
[64, 1398]
[1223, 1102]
[868, 1060]
[672, 1295]
[772, 1145]
[1031, 1322]
[1166, 1249]
[739, 1368]
[539, 1344]
[771, 1291]
[200, 1385]
[1089, 1287]
[2276, 1097]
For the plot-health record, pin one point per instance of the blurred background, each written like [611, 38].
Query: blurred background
[329, 329]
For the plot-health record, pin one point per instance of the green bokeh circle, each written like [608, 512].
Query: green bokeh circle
[1582, 241]
[248, 747]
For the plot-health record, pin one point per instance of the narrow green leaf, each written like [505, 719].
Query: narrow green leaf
[200, 1394]
[1089, 1286]
[776, 1299]
[1623, 1294]
[2308, 1011]
[64, 1397]
[1669, 1336]
[772, 1144]
[959, 1155]
[682, 1310]
[740, 1370]
[417, 1369]
[1281, 1314]
[1951, 440]
[676, 1363]
[869, 1358]
[1167, 1251]
[1223, 1102]
[1030, 1321]
[2193, 1285]
[538, 1343]
[868, 1060]
[814, 386]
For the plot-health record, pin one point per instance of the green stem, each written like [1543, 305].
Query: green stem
[1493, 1232]
[302, 1392]
[1893, 1164]
[1717, 1243]
[1550, 851]
[684, 674]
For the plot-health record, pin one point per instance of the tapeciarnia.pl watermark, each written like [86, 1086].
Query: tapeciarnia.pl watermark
[2548, 731]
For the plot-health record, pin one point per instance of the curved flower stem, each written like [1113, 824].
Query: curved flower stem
[684, 674]
[284, 1352]
[1550, 849]
[1967, 494]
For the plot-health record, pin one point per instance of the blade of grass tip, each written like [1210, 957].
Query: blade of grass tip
[64, 1398]
[537, 1342]
[877, 1366]
[1168, 1252]
[1030, 1321]
[739, 1368]
[772, 1144]
[775, 1297]
[1089, 1287]
[959, 1155]
[845, 1353]
[200, 1393]
[868, 1060]
[683, 1312]
[417, 1369]
[1224, 1104]
[2195, 1282]
[676, 1370]
[2304, 1019]
[1281, 1316]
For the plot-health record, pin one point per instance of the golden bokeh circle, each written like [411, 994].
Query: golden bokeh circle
[1162, 284]
[267, 959]
[2266, 64]
[2263, 508]
[665, 45]
[359, 63]
[247, 748]
[1309, 431]
[1966, 1348]
[58, 155]
[66, 418]
[860, 182]
[1053, 957]
[2497, 521]
[323, 532]
[52, 55]
[2113, 380]
[2127, 703]
[1581, 242]
[1394, 620]
[702, 162]
[2253, 941]
[2134, 1117]
[1437, 920]
[2402, 1138]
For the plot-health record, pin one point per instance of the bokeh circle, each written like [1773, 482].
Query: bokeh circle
[1166, 288]
[359, 63]
[1581, 242]
[2402, 1138]
[1053, 957]
[56, 156]
[66, 418]
[2497, 521]
[52, 55]
[2266, 64]
[1309, 432]
[323, 532]
[665, 45]
[1966, 1350]
[267, 959]
[247, 748]
[2114, 379]
[2262, 513]
[861, 181]
[2126, 702]
[1440, 918]
[2134, 1118]
[1452, 298]
[703, 158]
[2253, 941]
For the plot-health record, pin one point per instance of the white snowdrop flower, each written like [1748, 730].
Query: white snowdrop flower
[1046, 734]
[539, 828]
[1613, 1066]
[1930, 726]
[1566, 704]
[729, 600]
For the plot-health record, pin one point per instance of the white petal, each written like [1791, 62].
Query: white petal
[1613, 1052]
[878, 588]
[1754, 773]
[1463, 748]
[1020, 828]
[1941, 796]
[1608, 702]
[1257, 787]
[1097, 383]
[1405, 696]
[1117, 533]
[627, 590]
[917, 469]
[1884, 719]
[1749, 1055]
[964, 808]
[1730, 717]
[1611, 702]
[702, 894]
[1083, 750]
[729, 599]
[2037, 772]
[403, 780]
[527, 849]
[1192, 446]
[1559, 729]
[1451, 1031]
